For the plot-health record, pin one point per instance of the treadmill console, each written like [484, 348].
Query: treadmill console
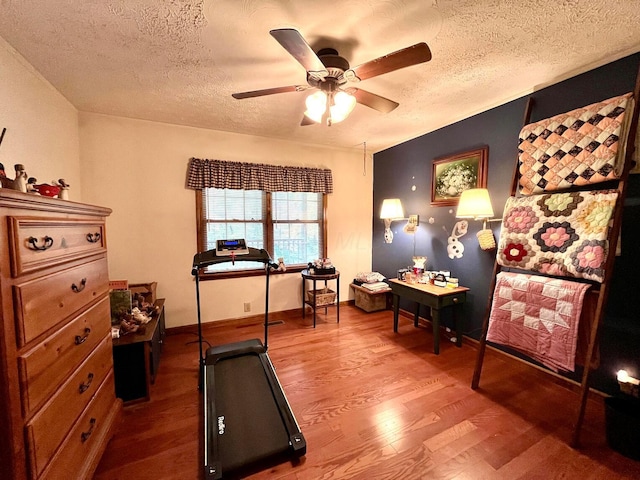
[228, 248]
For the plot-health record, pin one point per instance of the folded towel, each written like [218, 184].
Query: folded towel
[376, 286]
[370, 277]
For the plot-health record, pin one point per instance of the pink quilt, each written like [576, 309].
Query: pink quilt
[537, 316]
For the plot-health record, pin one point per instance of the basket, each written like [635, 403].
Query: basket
[486, 239]
[325, 271]
[370, 301]
[324, 296]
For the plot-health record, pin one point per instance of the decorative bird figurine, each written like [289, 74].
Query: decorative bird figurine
[64, 188]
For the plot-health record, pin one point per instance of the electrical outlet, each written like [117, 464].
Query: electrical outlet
[247, 307]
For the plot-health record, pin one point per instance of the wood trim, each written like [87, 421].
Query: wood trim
[15, 199]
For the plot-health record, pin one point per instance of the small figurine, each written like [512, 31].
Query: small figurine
[47, 190]
[455, 247]
[5, 182]
[281, 266]
[20, 182]
[31, 186]
[64, 188]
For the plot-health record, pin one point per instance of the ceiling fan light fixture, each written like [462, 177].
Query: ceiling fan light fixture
[343, 105]
[316, 106]
[327, 71]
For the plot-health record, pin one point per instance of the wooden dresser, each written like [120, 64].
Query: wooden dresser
[57, 396]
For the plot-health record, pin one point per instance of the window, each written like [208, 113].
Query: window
[278, 208]
[287, 224]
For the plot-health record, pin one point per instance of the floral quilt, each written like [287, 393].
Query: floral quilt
[538, 316]
[560, 234]
[580, 147]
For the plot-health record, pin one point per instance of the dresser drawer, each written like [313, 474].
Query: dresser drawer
[48, 428]
[41, 304]
[46, 366]
[43, 242]
[80, 448]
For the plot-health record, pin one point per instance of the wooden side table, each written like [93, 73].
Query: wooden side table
[436, 298]
[136, 359]
[313, 303]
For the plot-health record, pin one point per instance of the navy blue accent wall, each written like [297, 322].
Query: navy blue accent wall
[404, 171]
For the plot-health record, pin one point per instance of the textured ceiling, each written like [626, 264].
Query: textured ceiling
[179, 61]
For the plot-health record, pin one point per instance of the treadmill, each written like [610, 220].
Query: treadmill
[248, 422]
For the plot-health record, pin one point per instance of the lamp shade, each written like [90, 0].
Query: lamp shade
[342, 107]
[475, 203]
[316, 106]
[391, 209]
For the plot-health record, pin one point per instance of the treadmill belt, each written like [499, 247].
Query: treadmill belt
[247, 420]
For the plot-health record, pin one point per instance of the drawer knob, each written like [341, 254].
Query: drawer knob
[80, 339]
[33, 243]
[85, 435]
[93, 237]
[84, 386]
[78, 289]
[455, 300]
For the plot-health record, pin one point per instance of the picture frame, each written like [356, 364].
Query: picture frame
[453, 174]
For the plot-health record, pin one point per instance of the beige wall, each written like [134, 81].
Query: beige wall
[42, 126]
[138, 169]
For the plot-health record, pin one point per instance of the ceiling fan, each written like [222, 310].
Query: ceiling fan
[329, 74]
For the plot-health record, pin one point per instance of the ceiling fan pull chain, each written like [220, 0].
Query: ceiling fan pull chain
[364, 159]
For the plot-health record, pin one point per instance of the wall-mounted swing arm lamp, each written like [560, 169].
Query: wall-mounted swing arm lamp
[475, 203]
[392, 210]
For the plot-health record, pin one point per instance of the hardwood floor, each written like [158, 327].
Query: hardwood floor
[374, 405]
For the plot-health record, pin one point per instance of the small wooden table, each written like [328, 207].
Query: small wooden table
[314, 278]
[436, 298]
[136, 358]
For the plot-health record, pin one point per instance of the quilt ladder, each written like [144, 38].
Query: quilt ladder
[601, 290]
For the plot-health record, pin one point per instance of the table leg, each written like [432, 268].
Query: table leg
[435, 323]
[458, 323]
[326, 306]
[396, 309]
[315, 303]
[338, 300]
[303, 296]
[416, 315]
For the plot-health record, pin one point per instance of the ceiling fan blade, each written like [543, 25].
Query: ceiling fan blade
[372, 100]
[413, 55]
[299, 49]
[268, 91]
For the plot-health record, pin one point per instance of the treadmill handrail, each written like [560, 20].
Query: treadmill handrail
[209, 257]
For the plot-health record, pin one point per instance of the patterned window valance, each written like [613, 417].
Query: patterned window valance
[257, 176]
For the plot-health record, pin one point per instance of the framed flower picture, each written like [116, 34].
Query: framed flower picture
[454, 174]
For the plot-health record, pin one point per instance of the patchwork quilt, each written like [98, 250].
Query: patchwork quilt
[580, 147]
[560, 234]
[538, 316]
